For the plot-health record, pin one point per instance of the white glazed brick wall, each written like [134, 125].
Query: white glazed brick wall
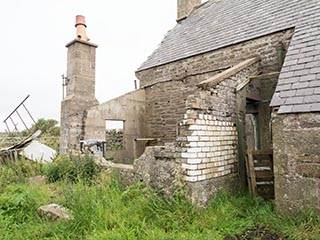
[211, 148]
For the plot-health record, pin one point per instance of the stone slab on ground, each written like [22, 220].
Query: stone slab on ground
[55, 212]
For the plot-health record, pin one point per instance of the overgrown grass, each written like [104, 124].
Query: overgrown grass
[72, 168]
[18, 172]
[103, 209]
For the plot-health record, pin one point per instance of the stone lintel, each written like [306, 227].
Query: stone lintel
[229, 72]
[83, 42]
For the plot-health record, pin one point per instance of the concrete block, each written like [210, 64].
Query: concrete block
[194, 172]
[205, 149]
[188, 155]
[195, 127]
[209, 144]
[202, 178]
[220, 169]
[202, 166]
[210, 165]
[194, 150]
[189, 166]
[192, 138]
[191, 179]
[204, 138]
[194, 160]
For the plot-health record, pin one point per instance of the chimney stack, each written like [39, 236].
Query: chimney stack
[184, 8]
[81, 28]
[80, 89]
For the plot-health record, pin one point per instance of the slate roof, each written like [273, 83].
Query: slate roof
[216, 24]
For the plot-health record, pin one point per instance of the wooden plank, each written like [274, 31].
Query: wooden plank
[252, 175]
[262, 164]
[262, 157]
[264, 179]
[229, 72]
[266, 75]
[248, 175]
[260, 174]
[262, 152]
[145, 139]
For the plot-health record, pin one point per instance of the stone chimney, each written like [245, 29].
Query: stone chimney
[184, 8]
[80, 89]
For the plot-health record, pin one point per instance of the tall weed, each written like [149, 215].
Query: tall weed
[17, 172]
[104, 209]
[72, 168]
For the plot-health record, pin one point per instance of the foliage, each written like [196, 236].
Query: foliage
[47, 126]
[50, 132]
[17, 172]
[72, 168]
[104, 209]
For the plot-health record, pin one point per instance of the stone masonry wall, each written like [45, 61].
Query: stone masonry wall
[80, 94]
[168, 86]
[202, 121]
[114, 139]
[160, 168]
[208, 137]
[185, 7]
[166, 106]
[296, 144]
[129, 108]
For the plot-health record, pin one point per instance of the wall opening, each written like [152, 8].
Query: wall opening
[252, 126]
[114, 138]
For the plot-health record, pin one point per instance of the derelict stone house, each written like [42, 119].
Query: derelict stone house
[229, 77]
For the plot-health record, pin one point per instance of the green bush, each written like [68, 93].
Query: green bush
[72, 168]
[17, 172]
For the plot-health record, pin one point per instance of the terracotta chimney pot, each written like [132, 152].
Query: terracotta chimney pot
[81, 28]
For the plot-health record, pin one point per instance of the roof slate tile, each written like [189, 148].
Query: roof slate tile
[312, 99]
[315, 107]
[290, 93]
[301, 108]
[284, 87]
[317, 90]
[315, 83]
[299, 85]
[309, 77]
[294, 100]
[303, 92]
[285, 109]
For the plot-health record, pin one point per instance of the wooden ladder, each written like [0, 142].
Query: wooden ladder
[259, 165]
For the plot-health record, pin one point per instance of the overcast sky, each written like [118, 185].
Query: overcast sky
[33, 54]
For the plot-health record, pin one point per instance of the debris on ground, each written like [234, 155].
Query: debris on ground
[55, 212]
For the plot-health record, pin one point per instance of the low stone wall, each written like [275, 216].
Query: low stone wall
[201, 192]
[160, 168]
[114, 139]
[296, 144]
